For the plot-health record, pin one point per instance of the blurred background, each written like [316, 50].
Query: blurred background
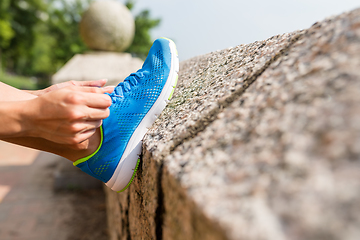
[37, 37]
[203, 26]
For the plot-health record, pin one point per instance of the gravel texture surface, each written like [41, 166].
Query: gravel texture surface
[206, 85]
[260, 141]
[283, 160]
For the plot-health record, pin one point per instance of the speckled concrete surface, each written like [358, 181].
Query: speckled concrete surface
[261, 141]
[206, 85]
[283, 161]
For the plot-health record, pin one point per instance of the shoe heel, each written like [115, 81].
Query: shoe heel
[126, 170]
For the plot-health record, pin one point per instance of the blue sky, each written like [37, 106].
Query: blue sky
[202, 26]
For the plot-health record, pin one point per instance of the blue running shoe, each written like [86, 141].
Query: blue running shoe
[136, 104]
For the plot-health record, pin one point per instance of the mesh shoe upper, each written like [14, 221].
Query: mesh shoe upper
[132, 99]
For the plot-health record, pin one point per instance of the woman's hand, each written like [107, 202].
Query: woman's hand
[67, 115]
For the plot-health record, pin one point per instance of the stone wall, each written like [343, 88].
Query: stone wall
[260, 141]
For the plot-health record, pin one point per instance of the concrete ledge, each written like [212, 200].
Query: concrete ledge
[98, 65]
[261, 141]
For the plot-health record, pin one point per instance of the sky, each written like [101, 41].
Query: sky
[202, 26]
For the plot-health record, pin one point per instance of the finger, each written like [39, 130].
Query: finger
[80, 146]
[109, 89]
[78, 138]
[83, 126]
[84, 136]
[93, 124]
[90, 89]
[94, 114]
[97, 100]
[96, 83]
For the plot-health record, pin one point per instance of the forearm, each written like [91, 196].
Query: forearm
[68, 115]
[12, 119]
[8, 93]
[12, 106]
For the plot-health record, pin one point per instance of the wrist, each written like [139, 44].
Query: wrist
[21, 118]
[12, 119]
[36, 92]
[25, 118]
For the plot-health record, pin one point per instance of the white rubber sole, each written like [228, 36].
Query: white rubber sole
[126, 169]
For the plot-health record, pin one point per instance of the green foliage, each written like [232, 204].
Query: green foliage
[64, 27]
[18, 81]
[142, 39]
[37, 37]
[22, 16]
[25, 16]
[6, 33]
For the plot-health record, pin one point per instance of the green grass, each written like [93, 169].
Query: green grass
[19, 82]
